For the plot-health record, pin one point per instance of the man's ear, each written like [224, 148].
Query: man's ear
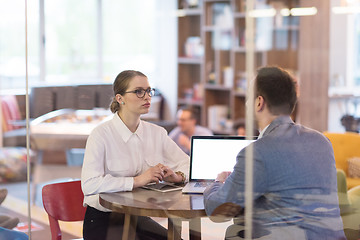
[260, 103]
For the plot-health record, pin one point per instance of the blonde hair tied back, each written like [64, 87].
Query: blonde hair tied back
[121, 85]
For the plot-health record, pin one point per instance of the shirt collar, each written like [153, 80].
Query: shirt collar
[263, 131]
[123, 130]
[275, 123]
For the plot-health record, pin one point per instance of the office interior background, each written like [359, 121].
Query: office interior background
[69, 43]
[91, 41]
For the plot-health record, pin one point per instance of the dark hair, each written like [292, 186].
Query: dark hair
[278, 88]
[121, 84]
[191, 110]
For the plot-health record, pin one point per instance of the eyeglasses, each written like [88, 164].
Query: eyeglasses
[140, 93]
[184, 119]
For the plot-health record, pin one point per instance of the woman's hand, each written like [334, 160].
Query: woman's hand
[153, 174]
[171, 176]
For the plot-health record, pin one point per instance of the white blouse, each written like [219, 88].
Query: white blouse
[114, 156]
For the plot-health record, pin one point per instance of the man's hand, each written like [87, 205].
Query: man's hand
[221, 177]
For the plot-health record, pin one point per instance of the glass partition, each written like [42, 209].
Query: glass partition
[299, 179]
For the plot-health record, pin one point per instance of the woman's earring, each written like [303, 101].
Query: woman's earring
[122, 103]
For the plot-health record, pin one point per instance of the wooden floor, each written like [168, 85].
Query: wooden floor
[16, 205]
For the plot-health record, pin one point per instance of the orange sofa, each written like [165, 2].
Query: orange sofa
[346, 146]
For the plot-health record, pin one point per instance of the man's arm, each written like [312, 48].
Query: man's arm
[233, 189]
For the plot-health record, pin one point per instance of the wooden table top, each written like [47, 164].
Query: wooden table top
[142, 202]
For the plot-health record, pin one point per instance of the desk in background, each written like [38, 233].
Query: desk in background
[64, 129]
[174, 206]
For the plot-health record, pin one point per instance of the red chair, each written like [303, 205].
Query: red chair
[64, 202]
[13, 126]
[11, 113]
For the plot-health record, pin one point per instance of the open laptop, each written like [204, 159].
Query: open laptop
[211, 155]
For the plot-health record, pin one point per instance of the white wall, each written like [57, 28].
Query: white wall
[339, 47]
[166, 80]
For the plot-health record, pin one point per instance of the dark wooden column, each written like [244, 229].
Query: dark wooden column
[314, 45]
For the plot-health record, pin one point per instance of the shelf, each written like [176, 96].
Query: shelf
[215, 28]
[239, 94]
[189, 12]
[287, 28]
[243, 50]
[239, 15]
[215, 1]
[239, 49]
[194, 102]
[223, 59]
[217, 87]
[189, 60]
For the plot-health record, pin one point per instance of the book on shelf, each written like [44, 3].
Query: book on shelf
[217, 115]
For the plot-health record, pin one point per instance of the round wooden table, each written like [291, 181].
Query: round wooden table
[175, 206]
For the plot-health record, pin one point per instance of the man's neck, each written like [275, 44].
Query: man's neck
[266, 120]
[190, 132]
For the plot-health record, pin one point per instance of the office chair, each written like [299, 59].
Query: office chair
[63, 201]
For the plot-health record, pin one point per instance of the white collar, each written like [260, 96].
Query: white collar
[124, 131]
[263, 131]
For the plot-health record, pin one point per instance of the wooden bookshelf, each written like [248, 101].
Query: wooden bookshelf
[215, 75]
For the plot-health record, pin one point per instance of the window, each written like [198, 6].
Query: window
[12, 43]
[86, 41]
[357, 50]
[129, 46]
[70, 41]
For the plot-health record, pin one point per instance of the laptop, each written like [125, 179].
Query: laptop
[211, 155]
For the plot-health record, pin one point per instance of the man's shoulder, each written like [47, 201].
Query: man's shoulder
[283, 133]
[200, 130]
[173, 133]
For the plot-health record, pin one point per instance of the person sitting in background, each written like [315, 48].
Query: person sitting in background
[126, 153]
[186, 128]
[294, 178]
[240, 130]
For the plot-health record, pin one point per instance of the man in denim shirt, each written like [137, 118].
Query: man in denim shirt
[294, 178]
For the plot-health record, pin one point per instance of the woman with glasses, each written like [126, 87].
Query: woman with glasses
[125, 153]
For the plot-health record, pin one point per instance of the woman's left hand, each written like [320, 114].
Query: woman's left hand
[170, 175]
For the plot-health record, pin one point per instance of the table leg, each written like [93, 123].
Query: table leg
[174, 229]
[195, 229]
[130, 223]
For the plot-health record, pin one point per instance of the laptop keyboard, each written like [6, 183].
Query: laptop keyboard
[202, 184]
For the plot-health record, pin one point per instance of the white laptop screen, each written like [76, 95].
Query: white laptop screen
[211, 155]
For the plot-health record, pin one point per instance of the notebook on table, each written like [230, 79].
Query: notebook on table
[211, 155]
[163, 187]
